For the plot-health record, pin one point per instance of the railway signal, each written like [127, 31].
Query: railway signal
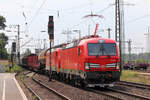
[51, 28]
[51, 38]
[13, 52]
[14, 46]
[18, 44]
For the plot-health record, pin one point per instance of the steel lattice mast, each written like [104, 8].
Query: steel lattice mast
[118, 29]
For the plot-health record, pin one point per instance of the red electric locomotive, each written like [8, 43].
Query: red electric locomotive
[92, 61]
[55, 58]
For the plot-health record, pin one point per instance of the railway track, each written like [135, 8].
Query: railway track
[108, 95]
[134, 96]
[115, 94]
[132, 84]
[25, 73]
[36, 94]
[30, 89]
[63, 97]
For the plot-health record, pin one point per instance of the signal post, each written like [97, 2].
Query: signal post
[51, 38]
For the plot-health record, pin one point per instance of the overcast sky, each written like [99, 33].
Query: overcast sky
[68, 15]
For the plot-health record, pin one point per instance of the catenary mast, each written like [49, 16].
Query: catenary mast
[119, 28]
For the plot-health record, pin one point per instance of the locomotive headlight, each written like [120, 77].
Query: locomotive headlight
[87, 67]
[117, 66]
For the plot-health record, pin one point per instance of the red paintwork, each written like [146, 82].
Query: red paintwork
[33, 61]
[69, 59]
[55, 58]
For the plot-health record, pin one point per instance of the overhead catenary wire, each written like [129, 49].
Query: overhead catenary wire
[139, 18]
[36, 14]
[39, 9]
[34, 17]
[104, 9]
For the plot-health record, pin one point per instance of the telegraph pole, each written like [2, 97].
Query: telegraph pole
[18, 44]
[148, 39]
[79, 32]
[44, 44]
[18, 41]
[129, 48]
[67, 33]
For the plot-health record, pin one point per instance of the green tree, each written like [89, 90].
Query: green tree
[3, 42]
[3, 39]
[2, 23]
[27, 52]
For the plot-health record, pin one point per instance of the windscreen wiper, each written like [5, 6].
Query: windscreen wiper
[99, 50]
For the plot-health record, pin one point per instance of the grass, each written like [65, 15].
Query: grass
[133, 76]
[35, 98]
[15, 69]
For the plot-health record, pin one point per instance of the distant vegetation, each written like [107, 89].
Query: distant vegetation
[15, 69]
[2, 23]
[27, 52]
[141, 57]
[3, 39]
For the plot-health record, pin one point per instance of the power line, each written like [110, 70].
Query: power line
[106, 8]
[36, 14]
[139, 18]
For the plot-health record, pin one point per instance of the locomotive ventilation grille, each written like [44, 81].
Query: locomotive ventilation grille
[92, 65]
[111, 65]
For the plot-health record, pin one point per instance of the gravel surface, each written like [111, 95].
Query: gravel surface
[72, 92]
[75, 93]
[134, 90]
[67, 90]
[25, 90]
[42, 92]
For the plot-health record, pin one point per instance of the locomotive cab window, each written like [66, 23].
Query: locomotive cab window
[102, 49]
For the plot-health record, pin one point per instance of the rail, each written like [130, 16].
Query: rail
[138, 85]
[31, 90]
[105, 93]
[129, 94]
[52, 90]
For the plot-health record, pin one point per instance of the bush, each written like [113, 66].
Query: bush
[14, 69]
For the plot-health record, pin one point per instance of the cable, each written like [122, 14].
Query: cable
[139, 18]
[36, 14]
[109, 6]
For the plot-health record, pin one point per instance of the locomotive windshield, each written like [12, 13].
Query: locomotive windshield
[102, 49]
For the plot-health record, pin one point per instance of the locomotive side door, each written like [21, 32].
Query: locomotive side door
[80, 50]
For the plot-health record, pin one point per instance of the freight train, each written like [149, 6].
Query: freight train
[135, 65]
[91, 61]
